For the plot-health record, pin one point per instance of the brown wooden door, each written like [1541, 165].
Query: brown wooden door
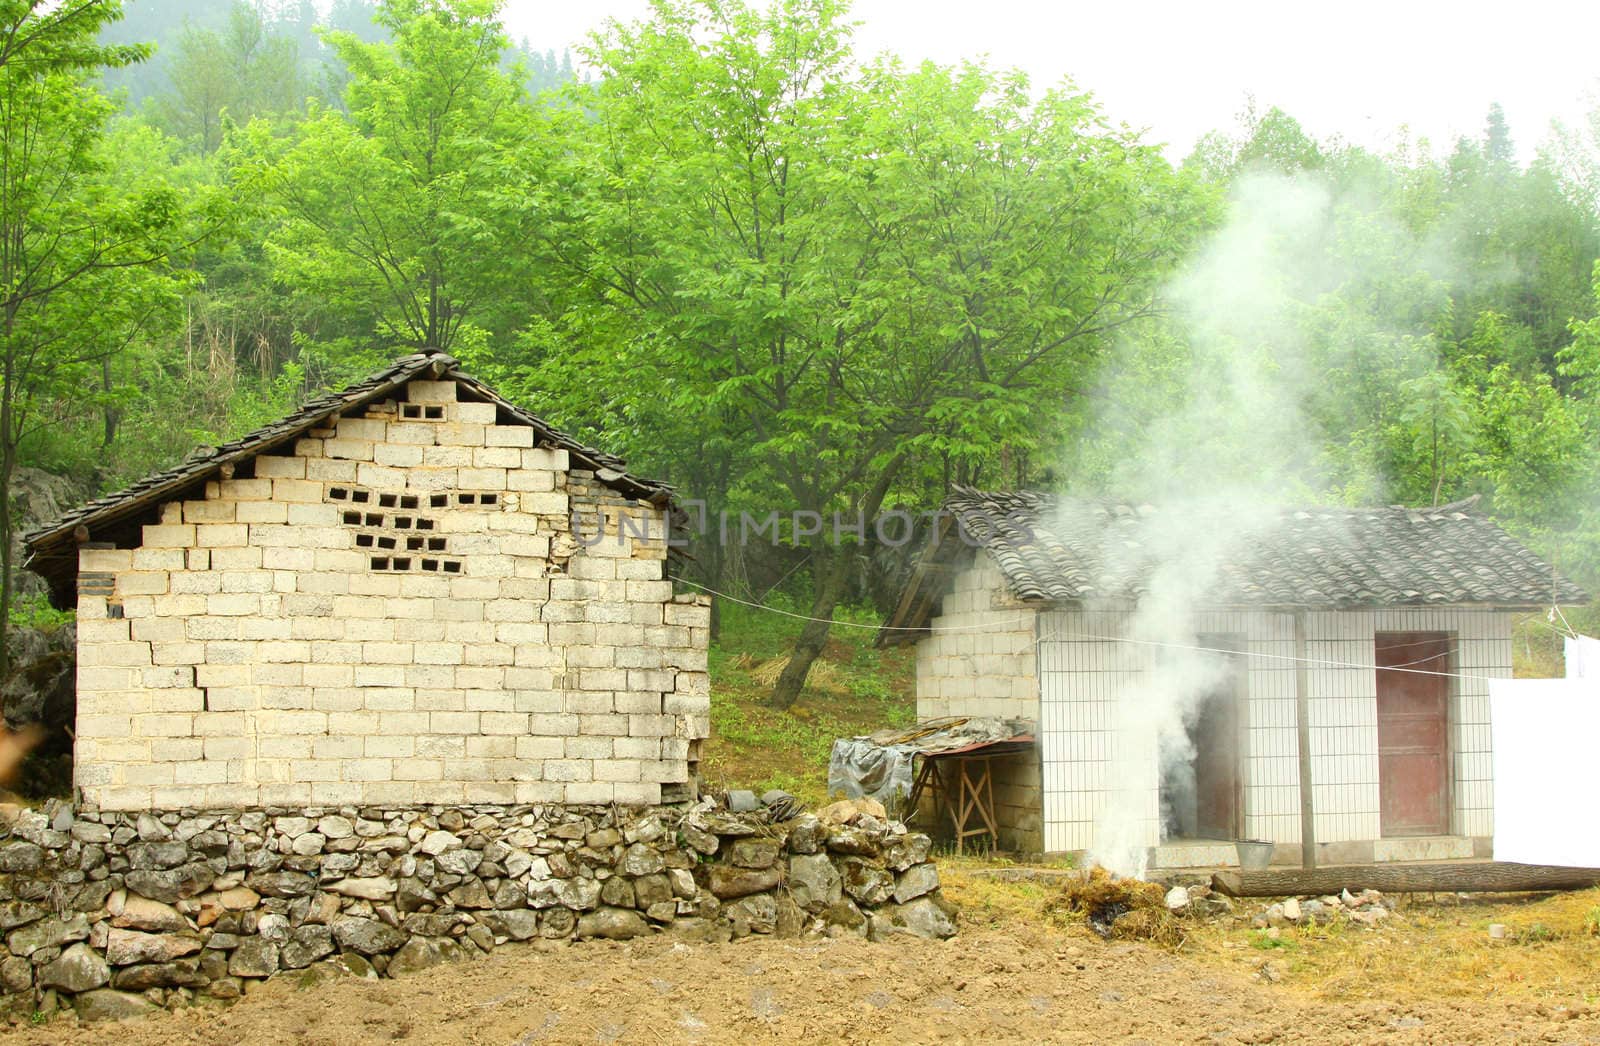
[1413, 747]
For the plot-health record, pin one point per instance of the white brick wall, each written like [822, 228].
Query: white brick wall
[376, 618]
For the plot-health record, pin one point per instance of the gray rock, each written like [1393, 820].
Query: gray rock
[412, 893]
[471, 894]
[644, 830]
[21, 857]
[698, 839]
[753, 853]
[616, 924]
[273, 927]
[183, 974]
[171, 885]
[336, 827]
[151, 830]
[169, 854]
[254, 957]
[49, 932]
[617, 892]
[727, 882]
[78, 970]
[89, 832]
[682, 881]
[374, 888]
[508, 895]
[126, 947]
[557, 923]
[849, 839]
[308, 844]
[415, 955]
[19, 913]
[915, 881]
[577, 894]
[662, 912]
[106, 1004]
[142, 913]
[639, 859]
[755, 914]
[814, 882]
[519, 924]
[367, 936]
[16, 975]
[459, 862]
[281, 884]
[923, 917]
[651, 889]
[437, 842]
[806, 835]
[1177, 899]
[864, 881]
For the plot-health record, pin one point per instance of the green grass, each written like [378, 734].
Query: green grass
[853, 689]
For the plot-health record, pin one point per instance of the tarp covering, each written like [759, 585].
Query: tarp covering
[880, 765]
[1583, 657]
[1543, 732]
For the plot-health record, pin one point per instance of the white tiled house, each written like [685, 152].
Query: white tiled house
[1015, 614]
[397, 595]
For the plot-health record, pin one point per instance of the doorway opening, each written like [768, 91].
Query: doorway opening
[1202, 783]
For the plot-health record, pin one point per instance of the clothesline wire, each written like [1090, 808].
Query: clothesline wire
[1064, 634]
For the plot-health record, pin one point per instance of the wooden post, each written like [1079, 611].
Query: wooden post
[1302, 715]
[1471, 877]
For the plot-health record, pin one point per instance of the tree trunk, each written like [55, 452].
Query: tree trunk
[830, 589]
[1478, 877]
[815, 633]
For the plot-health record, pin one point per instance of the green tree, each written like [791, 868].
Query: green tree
[78, 255]
[830, 278]
[386, 210]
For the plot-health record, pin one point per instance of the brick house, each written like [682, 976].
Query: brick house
[411, 592]
[1369, 633]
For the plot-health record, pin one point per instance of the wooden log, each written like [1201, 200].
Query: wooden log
[1475, 877]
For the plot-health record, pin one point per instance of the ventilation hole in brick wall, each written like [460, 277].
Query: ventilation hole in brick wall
[467, 499]
[386, 500]
[433, 413]
[352, 517]
[452, 567]
[374, 519]
[488, 499]
[413, 544]
[424, 524]
[360, 495]
[402, 522]
[380, 562]
[386, 543]
[430, 564]
[338, 493]
[402, 564]
[411, 410]
[436, 544]
[408, 501]
[439, 501]
[363, 541]
[114, 611]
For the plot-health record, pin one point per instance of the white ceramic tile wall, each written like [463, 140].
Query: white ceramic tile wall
[1084, 670]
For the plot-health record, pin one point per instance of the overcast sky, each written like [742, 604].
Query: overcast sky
[1358, 69]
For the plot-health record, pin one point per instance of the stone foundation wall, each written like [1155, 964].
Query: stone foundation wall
[122, 912]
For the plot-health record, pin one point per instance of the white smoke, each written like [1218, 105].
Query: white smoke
[1212, 474]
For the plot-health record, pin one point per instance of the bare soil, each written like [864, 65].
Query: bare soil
[1012, 984]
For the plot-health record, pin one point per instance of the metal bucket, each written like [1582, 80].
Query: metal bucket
[1254, 853]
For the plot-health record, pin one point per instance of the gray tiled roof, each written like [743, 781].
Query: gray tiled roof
[52, 549]
[1069, 550]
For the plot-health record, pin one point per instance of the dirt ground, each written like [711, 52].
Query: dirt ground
[1013, 985]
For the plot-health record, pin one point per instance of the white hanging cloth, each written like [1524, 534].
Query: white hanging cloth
[1542, 732]
[1583, 657]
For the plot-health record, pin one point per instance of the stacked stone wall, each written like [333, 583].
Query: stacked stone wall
[117, 913]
